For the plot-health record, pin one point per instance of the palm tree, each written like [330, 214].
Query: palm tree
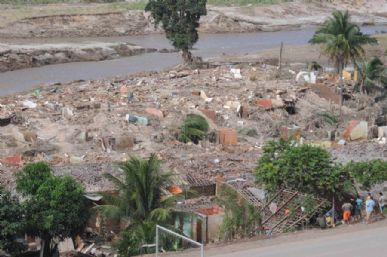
[373, 77]
[342, 40]
[139, 202]
[140, 190]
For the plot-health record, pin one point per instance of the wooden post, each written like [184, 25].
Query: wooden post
[280, 60]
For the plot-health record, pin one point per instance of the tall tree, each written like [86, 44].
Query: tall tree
[54, 209]
[180, 20]
[341, 39]
[139, 202]
[11, 222]
[373, 77]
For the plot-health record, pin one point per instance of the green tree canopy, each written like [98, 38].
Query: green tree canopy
[368, 173]
[341, 39]
[305, 168]
[11, 222]
[29, 179]
[180, 20]
[55, 208]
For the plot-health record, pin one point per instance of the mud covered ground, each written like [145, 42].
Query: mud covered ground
[80, 20]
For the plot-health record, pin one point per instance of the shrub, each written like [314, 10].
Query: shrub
[194, 129]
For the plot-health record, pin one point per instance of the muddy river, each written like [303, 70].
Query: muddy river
[209, 45]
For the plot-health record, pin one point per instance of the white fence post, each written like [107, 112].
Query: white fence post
[168, 231]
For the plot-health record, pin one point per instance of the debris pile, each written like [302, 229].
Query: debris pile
[90, 124]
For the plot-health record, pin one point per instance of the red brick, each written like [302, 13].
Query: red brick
[155, 112]
[265, 103]
[228, 136]
[123, 90]
[15, 160]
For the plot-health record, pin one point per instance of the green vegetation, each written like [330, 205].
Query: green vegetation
[251, 132]
[368, 173]
[304, 168]
[139, 203]
[314, 66]
[328, 117]
[31, 177]
[194, 129]
[342, 41]
[11, 223]
[180, 21]
[241, 219]
[373, 78]
[55, 206]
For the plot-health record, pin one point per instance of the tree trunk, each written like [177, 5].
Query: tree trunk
[45, 249]
[187, 56]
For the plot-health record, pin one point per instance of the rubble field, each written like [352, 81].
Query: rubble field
[82, 127]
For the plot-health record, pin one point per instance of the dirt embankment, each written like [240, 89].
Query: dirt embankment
[219, 19]
[13, 57]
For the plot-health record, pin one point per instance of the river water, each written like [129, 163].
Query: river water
[209, 45]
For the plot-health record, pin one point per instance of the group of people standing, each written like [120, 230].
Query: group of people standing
[359, 206]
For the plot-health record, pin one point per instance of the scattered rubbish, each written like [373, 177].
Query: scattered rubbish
[209, 114]
[347, 75]
[136, 119]
[232, 104]
[291, 133]
[308, 77]
[29, 104]
[265, 103]
[76, 159]
[228, 136]
[36, 93]
[382, 131]
[236, 73]
[356, 130]
[123, 143]
[341, 142]
[5, 121]
[67, 112]
[175, 190]
[155, 112]
[15, 160]
[204, 97]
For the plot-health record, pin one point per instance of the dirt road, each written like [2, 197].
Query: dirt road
[356, 240]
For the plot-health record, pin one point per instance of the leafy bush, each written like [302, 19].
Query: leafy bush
[194, 129]
[241, 219]
[305, 168]
[368, 173]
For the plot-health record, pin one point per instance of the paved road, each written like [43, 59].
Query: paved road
[348, 241]
[369, 243]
